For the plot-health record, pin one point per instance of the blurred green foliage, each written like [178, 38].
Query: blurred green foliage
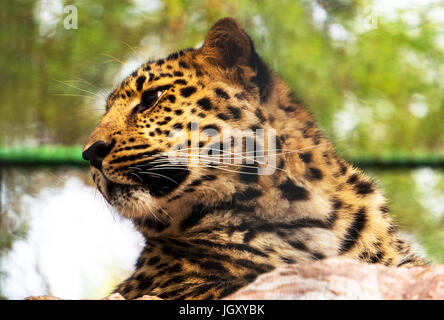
[374, 83]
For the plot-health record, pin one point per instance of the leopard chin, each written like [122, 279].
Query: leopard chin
[129, 200]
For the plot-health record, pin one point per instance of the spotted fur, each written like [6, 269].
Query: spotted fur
[210, 230]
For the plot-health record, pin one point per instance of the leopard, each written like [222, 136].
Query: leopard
[211, 227]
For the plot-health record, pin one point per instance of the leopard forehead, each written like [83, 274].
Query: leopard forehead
[193, 90]
[187, 75]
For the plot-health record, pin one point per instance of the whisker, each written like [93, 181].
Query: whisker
[132, 49]
[72, 95]
[72, 86]
[158, 174]
[113, 58]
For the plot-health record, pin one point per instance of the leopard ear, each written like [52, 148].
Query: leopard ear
[227, 44]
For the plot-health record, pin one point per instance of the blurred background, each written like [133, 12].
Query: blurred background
[370, 71]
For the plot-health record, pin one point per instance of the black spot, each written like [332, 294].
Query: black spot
[147, 68]
[173, 280]
[250, 277]
[287, 109]
[223, 116]
[183, 65]
[145, 283]
[263, 78]
[354, 231]
[160, 62]
[337, 204]
[287, 260]
[314, 174]
[317, 256]
[209, 177]
[281, 163]
[364, 188]
[174, 268]
[178, 126]
[213, 266]
[298, 245]
[306, 157]
[241, 96]
[235, 112]
[188, 91]
[173, 56]
[201, 115]
[171, 97]
[139, 263]
[221, 93]
[230, 246]
[250, 235]
[178, 112]
[198, 212]
[180, 81]
[150, 223]
[211, 129]
[192, 126]
[260, 115]
[249, 194]
[352, 179]
[178, 73]
[196, 183]
[229, 289]
[205, 104]
[343, 169]
[153, 261]
[293, 192]
[249, 173]
[140, 81]
[258, 267]
[375, 258]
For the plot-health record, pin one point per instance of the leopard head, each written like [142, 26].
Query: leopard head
[162, 141]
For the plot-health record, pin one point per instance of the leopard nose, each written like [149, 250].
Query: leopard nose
[96, 153]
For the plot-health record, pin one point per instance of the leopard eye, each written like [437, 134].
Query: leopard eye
[149, 99]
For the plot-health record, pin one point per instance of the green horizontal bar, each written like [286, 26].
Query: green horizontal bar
[72, 156]
[43, 155]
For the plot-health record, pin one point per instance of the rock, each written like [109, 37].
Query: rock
[149, 298]
[346, 279]
[113, 296]
[117, 296]
[335, 279]
[43, 297]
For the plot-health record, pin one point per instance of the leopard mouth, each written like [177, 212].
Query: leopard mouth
[157, 180]
[160, 180]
